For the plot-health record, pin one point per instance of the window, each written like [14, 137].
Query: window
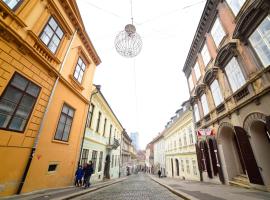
[85, 153]
[218, 99]
[175, 144]
[94, 160]
[187, 163]
[52, 167]
[52, 35]
[234, 74]
[260, 41]
[112, 161]
[12, 4]
[190, 82]
[196, 112]
[194, 165]
[115, 160]
[197, 71]
[205, 55]
[64, 124]
[236, 5]
[217, 32]
[204, 105]
[191, 141]
[180, 142]
[79, 70]
[185, 139]
[90, 115]
[98, 121]
[104, 127]
[182, 166]
[100, 161]
[17, 103]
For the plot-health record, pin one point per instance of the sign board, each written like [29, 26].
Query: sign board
[205, 132]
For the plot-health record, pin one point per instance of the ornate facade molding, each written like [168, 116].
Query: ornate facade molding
[222, 126]
[200, 89]
[256, 116]
[210, 75]
[250, 18]
[225, 54]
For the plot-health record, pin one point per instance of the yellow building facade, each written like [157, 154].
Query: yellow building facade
[47, 64]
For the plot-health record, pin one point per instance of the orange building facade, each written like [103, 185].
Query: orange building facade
[47, 64]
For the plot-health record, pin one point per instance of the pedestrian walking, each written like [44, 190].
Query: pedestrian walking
[88, 171]
[78, 176]
[159, 173]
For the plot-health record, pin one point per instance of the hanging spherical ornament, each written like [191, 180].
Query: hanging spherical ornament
[128, 43]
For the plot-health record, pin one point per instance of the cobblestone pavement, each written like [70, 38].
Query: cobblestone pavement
[136, 187]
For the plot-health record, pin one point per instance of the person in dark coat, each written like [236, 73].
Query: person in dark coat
[159, 173]
[88, 171]
[79, 176]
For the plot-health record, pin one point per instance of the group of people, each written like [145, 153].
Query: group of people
[83, 175]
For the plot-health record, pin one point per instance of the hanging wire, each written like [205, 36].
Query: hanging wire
[135, 93]
[131, 11]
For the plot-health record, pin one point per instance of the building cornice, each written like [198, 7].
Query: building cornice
[72, 11]
[225, 54]
[207, 18]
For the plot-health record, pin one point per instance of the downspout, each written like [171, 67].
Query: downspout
[120, 153]
[33, 150]
[92, 94]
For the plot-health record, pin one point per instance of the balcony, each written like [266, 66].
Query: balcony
[112, 143]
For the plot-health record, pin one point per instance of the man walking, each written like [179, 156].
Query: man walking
[88, 171]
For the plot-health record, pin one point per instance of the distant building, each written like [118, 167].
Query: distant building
[159, 154]
[135, 139]
[149, 158]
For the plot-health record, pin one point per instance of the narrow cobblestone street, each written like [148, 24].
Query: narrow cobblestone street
[139, 187]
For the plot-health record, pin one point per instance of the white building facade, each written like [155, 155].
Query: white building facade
[159, 154]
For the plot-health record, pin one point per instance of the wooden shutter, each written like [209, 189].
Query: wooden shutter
[220, 172]
[248, 156]
[199, 159]
[268, 128]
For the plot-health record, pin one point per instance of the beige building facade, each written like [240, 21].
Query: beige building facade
[180, 151]
[227, 69]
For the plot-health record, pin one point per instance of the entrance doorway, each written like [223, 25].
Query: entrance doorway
[172, 167]
[177, 167]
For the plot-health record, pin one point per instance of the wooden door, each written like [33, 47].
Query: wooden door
[218, 162]
[251, 166]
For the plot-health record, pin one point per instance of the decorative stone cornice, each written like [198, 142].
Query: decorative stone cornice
[200, 89]
[250, 18]
[225, 54]
[207, 18]
[192, 99]
[73, 13]
[210, 75]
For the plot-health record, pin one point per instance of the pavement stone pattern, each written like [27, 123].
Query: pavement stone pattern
[211, 191]
[136, 187]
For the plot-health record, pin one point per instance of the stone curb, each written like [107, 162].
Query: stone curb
[176, 192]
[85, 191]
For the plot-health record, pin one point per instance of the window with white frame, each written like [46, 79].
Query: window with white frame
[180, 142]
[194, 165]
[13, 4]
[185, 139]
[196, 112]
[205, 55]
[191, 140]
[217, 32]
[234, 74]
[236, 5]
[260, 41]
[187, 164]
[204, 105]
[79, 70]
[197, 71]
[52, 35]
[182, 165]
[190, 82]
[217, 96]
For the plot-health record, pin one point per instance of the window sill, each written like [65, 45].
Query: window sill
[60, 142]
[76, 83]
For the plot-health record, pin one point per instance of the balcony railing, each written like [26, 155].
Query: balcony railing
[113, 143]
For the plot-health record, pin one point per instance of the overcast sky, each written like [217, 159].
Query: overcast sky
[145, 91]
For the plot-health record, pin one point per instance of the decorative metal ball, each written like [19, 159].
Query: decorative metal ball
[128, 43]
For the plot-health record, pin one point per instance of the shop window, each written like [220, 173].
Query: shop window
[85, 153]
[17, 103]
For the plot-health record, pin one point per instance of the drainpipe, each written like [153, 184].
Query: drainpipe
[121, 153]
[33, 150]
[92, 94]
